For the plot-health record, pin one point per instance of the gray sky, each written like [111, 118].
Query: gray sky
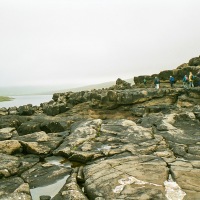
[82, 42]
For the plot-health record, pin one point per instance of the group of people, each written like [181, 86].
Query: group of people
[188, 81]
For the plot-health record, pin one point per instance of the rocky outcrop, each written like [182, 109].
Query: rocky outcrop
[184, 69]
[123, 142]
[194, 61]
[178, 74]
[131, 177]
[26, 110]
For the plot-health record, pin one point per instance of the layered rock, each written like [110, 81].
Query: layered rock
[123, 142]
[192, 66]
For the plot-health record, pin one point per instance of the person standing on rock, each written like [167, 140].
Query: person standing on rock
[191, 78]
[172, 81]
[185, 82]
[157, 83]
[145, 81]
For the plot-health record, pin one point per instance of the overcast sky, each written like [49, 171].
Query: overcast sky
[82, 42]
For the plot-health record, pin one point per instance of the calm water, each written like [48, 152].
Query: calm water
[35, 100]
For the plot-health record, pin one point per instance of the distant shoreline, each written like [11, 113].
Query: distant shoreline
[4, 98]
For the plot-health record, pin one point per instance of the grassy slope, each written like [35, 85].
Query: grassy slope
[90, 87]
[2, 98]
[47, 90]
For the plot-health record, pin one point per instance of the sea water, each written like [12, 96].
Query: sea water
[17, 101]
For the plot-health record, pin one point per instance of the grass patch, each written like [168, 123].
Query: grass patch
[2, 98]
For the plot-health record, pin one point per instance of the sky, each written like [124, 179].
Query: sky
[82, 42]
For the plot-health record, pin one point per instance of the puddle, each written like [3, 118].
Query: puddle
[58, 160]
[53, 189]
[173, 191]
[63, 162]
[50, 190]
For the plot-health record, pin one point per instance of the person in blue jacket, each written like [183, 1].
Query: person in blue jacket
[172, 81]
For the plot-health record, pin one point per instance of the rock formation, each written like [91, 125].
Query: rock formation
[192, 66]
[124, 142]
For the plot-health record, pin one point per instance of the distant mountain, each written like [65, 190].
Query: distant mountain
[48, 90]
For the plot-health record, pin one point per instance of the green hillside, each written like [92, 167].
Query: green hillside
[3, 98]
[49, 90]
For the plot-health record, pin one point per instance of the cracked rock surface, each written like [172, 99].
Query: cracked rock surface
[104, 144]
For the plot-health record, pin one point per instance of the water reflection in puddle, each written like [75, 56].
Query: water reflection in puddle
[50, 190]
[61, 161]
[58, 160]
[53, 189]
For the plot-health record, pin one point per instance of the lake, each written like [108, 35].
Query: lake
[35, 100]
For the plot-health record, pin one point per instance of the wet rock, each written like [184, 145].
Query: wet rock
[71, 190]
[44, 174]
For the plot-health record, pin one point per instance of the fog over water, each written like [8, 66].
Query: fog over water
[72, 43]
[17, 101]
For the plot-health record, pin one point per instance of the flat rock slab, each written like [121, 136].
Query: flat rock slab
[133, 177]
[44, 174]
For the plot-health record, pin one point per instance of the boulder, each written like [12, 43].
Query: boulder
[28, 127]
[194, 61]
[26, 110]
[3, 111]
[7, 133]
[51, 110]
[10, 147]
[13, 111]
[39, 142]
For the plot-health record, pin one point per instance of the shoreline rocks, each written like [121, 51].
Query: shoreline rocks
[123, 142]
